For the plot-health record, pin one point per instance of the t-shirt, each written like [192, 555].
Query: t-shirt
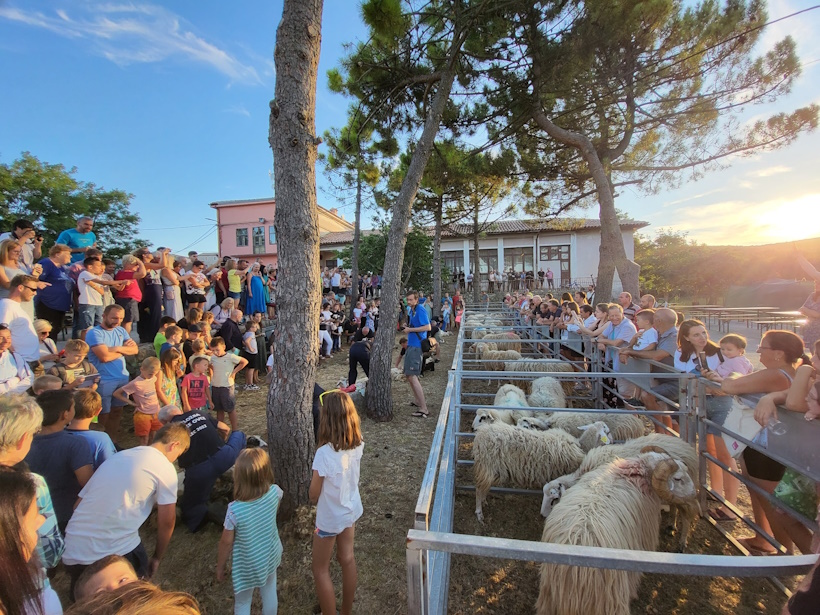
[75, 239]
[222, 368]
[629, 312]
[205, 438]
[739, 364]
[250, 342]
[668, 342]
[100, 442]
[418, 318]
[195, 387]
[340, 504]
[335, 280]
[97, 336]
[234, 281]
[24, 338]
[88, 296]
[159, 342]
[70, 374]
[132, 291]
[55, 457]
[649, 336]
[116, 502]
[624, 331]
[58, 295]
[144, 394]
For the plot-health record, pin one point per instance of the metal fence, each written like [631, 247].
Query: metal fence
[432, 541]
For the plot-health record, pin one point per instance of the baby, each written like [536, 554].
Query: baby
[733, 349]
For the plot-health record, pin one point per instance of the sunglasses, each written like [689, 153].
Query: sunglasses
[322, 396]
[34, 290]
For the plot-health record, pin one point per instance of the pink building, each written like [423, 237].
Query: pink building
[246, 229]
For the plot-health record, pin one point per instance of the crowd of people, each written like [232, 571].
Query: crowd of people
[507, 281]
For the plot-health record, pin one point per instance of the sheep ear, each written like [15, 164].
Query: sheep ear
[653, 449]
[585, 427]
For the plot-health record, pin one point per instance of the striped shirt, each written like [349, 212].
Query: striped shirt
[257, 550]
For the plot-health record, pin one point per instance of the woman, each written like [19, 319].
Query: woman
[53, 301]
[151, 285]
[19, 567]
[48, 348]
[129, 297]
[256, 291]
[781, 352]
[171, 293]
[222, 312]
[196, 283]
[811, 308]
[10, 252]
[234, 280]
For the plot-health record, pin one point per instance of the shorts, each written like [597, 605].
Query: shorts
[196, 298]
[412, 361]
[224, 398]
[144, 424]
[669, 389]
[106, 390]
[131, 307]
[717, 409]
[761, 467]
[323, 534]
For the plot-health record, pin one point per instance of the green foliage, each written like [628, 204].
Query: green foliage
[52, 198]
[417, 271]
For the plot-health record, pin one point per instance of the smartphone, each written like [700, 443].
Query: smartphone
[702, 359]
[89, 381]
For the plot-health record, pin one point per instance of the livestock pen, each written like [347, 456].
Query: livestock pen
[432, 540]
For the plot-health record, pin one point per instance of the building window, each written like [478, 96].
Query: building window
[258, 239]
[331, 263]
[271, 235]
[487, 260]
[241, 237]
[453, 261]
[559, 254]
[518, 259]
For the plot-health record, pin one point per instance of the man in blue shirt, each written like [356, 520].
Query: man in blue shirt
[416, 331]
[79, 239]
[110, 344]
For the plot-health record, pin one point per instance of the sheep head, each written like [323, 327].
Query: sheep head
[670, 478]
[553, 492]
[534, 423]
[602, 435]
[482, 417]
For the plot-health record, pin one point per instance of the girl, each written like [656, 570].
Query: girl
[335, 489]
[170, 369]
[208, 322]
[251, 534]
[251, 353]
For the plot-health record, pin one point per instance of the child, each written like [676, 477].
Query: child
[250, 352]
[224, 367]
[445, 315]
[143, 388]
[733, 349]
[74, 368]
[250, 533]
[160, 338]
[87, 405]
[173, 336]
[46, 383]
[645, 339]
[335, 489]
[200, 349]
[169, 370]
[207, 326]
[104, 575]
[195, 392]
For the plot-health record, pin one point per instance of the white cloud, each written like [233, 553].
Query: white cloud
[238, 110]
[134, 33]
[769, 171]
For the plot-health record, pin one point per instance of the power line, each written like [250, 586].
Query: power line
[200, 238]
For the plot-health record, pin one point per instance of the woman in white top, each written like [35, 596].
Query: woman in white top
[171, 294]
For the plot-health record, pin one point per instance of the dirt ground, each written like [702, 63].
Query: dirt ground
[391, 473]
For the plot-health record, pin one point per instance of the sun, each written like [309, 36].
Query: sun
[790, 220]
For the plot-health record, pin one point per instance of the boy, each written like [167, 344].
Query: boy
[46, 383]
[194, 391]
[91, 290]
[143, 389]
[646, 338]
[195, 334]
[173, 336]
[87, 405]
[733, 349]
[62, 459]
[159, 338]
[198, 349]
[74, 368]
[104, 575]
[224, 367]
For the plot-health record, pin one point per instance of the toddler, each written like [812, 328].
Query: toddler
[335, 489]
[250, 533]
[200, 349]
[160, 338]
[195, 392]
[733, 349]
[104, 575]
[143, 389]
[250, 352]
[46, 383]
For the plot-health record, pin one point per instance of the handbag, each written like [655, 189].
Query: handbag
[741, 421]
[425, 342]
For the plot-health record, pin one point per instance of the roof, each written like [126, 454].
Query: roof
[271, 200]
[557, 225]
[341, 238]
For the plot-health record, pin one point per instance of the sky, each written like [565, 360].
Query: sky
[169, 101]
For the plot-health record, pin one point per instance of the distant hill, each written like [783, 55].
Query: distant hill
[770, 261]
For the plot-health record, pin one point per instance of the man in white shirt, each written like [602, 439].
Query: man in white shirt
[336, 281]
[31, 243]
[117, 500]
[24, 338]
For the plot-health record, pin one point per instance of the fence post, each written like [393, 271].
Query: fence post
[416, 594]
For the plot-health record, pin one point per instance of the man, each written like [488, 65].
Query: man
[469, 279]
[110, 344]
[79, 239]
[629, 308]
[416, 330]
[359, 355]
[31, 243]
[230, 331]
[580, 298]
[212, 452]
[15, 374]
[550, 277]
[363, 333]
[647, 302]
[24, 338]
[117, 501]
[618, 332]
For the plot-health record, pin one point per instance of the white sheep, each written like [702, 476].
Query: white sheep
[538, 365]
[507, 455]
[592, 436]
[507, 395]
[397, 375]
[547, 392]
[623, 426]
[617, 506]
[494, 360]
[506, 340]
[510, 395]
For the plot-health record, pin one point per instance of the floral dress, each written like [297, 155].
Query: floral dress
[170, 390]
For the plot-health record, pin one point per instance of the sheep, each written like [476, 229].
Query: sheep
[617, 506]
[488, 416]
[592, 435]
[506, 340]
[397, 375]
[494, 360]
[547, 392]
[481, 347]
[510, 395]
[504, 454]
[623, 426]
[507, 395]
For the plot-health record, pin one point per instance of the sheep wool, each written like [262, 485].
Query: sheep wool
[622, 426]
[547, 392]
[494, 360]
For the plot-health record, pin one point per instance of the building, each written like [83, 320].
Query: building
[246, 229]
[567, 246]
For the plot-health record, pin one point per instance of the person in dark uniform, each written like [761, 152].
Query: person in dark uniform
[359, 355]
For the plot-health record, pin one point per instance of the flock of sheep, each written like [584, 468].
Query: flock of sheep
[595, 492]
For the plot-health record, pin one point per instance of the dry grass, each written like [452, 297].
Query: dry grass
[391, 474]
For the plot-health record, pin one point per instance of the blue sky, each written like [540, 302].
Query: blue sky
[169, 101]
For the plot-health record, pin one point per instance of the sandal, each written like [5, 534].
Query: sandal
[414, 404]
[718, 514]
[420, 415]
[753, 550]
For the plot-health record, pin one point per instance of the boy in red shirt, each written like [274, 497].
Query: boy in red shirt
[196, 391]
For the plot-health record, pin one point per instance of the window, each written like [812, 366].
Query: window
[558, 254]
[241, 237]
[487, 259]
[258, 239]
[519, 259]
[453, 261]
[271, 235]
[331, 263]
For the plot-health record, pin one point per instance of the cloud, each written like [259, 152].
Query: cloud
[769, 171]
[238, 110]
[134, 33]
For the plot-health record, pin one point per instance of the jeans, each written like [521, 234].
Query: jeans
[87, 316]
[106, 389]
[359, 355]
[270, 602]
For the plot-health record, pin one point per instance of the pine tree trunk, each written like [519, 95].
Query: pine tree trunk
[354, 261]
[475, 261]
[293, 140]
[437, 258]
[379, 389]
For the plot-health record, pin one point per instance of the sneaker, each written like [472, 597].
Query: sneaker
[348, 389]
[252, 387]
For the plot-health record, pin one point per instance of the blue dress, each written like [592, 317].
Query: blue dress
[257, 302]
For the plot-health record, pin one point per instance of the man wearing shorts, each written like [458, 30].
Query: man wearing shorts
[110, 344]
[416, 330]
